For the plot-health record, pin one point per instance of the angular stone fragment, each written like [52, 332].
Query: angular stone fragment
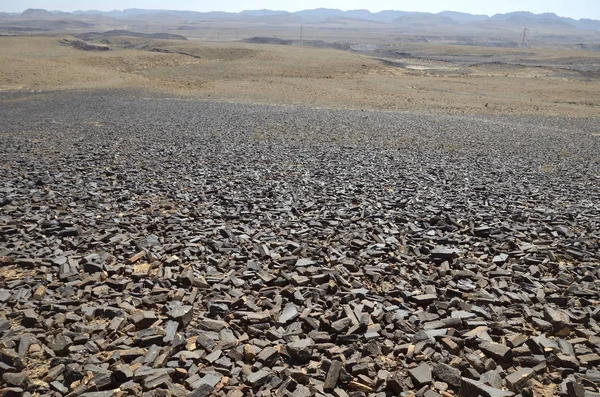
[4, 295]
[68, 270]
[303, 262]
[473, 388]
[39, 293]
[421, 375]
[301, 350]
[354, 385]
[589, 359]
[517, 380]
[267, 355]
[143, 319]
[575, 389]
[107, 393]
[448, 374]
[341, 325]
[424, 299]
[211, 325]
[204, 390]
[136, 257]
[213, 356]
[156, 380]
[288, 314]
[30, 318]
[60, 344]
[102, 379]
[444, 253]
[562, 360]
[73, 373]
[59, 387]
[450, 345]
[492, 378]
[333, 375]
[496, 351]
[516, 340]
[16, 379]
[123, 373]
[182, 314]
[259, 377]
[561, 323]
[24, 344]
[12, 392]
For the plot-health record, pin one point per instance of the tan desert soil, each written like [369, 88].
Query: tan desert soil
[273, 74]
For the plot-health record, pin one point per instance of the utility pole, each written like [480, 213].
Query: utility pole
[524, 37]
[301, 32]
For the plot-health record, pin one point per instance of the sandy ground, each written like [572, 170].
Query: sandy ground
[272, 74]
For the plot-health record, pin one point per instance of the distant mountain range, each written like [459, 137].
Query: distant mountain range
[319, 15]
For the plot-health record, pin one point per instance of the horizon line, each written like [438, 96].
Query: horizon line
[291, 12]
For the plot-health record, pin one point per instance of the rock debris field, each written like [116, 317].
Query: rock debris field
[154, 246]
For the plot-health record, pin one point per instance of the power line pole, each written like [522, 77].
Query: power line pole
[301, 32]
[524, 37]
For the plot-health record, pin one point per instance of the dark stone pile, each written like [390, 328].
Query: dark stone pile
[163, 247]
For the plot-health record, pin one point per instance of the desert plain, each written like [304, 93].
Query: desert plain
[226, 208]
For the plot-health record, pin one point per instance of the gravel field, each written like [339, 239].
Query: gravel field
[161, 246]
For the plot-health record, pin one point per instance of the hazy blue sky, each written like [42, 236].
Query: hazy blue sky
[568, 8]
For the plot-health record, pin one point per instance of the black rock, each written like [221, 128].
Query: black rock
[301, 350]
[16, 379]
[60, 344]
[333, 375]
[183, 314]
[496, 351]
[421, 375]
[259, 377]
[143, 319]
[445, 373]
[473, 388]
